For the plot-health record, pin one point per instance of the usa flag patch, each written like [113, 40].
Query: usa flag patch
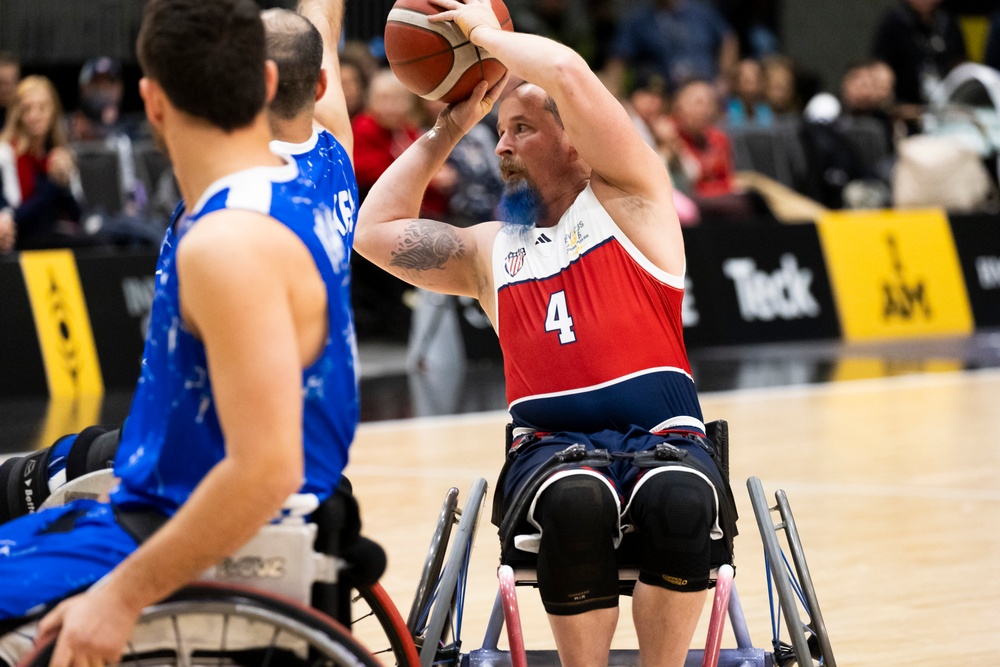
[514, 262]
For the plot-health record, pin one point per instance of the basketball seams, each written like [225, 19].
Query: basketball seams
[436, 60]
[416, 19]
[464, 59]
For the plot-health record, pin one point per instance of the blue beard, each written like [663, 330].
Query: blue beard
[520, 204]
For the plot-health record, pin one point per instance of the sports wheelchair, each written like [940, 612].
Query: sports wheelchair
[292, 597]
[436, 615]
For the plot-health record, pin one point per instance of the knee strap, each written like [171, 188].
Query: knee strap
[24, 484]
[94, 449]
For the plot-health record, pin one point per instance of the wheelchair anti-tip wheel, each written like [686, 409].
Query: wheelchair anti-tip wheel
[438, 605]
[224, 625]
[810, 642]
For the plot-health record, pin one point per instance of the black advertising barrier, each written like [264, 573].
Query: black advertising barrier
[756, 284]
[977, 238]
[118, 287]
[22, 371]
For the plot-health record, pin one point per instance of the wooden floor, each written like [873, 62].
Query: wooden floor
[895, 486]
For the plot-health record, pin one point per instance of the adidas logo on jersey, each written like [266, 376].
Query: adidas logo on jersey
[542, 238]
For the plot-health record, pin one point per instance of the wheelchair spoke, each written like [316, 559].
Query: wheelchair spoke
[270, 648]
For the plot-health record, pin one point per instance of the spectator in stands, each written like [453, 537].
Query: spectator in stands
[566, 21]
[10, 74]
[755, 23]
[382, 131]
[747, 103]
[99, 119]
[921, 42]
[99, 113]
[866, 91]
[679, 40]
[39, 175]
[707, 151]
[781, 86]
[354, 81]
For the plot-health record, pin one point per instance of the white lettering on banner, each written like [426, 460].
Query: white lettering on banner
[988, 269]
[783, 293]
[689, 311]
[138, 292]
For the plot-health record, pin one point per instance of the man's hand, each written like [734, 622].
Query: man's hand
[8, 231]
[92, 628]
[467, 14]
[458, 118]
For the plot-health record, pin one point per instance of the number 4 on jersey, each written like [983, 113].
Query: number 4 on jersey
[558, 318]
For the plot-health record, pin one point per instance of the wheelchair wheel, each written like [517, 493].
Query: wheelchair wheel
[441, 613]
[377, 624]
[225, 625]
[810, 642]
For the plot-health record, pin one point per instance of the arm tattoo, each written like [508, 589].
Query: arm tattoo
[426, 245]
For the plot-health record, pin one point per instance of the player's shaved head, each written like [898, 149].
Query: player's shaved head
[296, 47]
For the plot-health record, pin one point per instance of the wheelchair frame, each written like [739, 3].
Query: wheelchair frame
[441, 602]
[279, 585]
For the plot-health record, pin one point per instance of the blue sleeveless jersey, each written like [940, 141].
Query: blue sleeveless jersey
[172, 437]
[326, 167]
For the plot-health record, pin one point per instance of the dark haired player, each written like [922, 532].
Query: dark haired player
[248, 392]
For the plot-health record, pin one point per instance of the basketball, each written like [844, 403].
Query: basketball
[435, 60]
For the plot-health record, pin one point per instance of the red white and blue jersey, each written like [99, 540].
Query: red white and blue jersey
[590, 329]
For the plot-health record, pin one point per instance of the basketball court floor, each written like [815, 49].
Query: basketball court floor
[889, 454]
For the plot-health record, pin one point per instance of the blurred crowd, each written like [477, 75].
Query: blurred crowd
[748, 136]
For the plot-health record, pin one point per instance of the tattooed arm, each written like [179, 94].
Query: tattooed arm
[426, 253]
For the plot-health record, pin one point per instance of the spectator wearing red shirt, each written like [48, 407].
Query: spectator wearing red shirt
[708, 153]
[383, 131]
[37, 172]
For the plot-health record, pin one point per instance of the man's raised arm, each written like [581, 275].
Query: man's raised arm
[331, 109]
[597, 124]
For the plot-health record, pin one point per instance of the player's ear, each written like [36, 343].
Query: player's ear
[321, 85]
[271, 78]
[153, 98]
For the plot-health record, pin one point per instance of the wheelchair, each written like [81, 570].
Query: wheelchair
[294, 596]
[436, 615]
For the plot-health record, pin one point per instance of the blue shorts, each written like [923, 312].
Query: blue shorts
[622, 474]
[52, 554]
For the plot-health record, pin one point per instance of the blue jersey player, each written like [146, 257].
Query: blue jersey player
[309, 120]
[248, 392]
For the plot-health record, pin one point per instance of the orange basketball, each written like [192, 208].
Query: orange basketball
[435, 60]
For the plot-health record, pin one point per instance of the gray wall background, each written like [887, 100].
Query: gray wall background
[824, 36]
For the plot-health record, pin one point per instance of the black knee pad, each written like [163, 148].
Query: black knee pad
[673, 513]
[94, 449]
[578, 516]
[24, 484]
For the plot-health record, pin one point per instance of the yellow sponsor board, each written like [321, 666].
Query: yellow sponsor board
[64, 332]
[895, 274]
